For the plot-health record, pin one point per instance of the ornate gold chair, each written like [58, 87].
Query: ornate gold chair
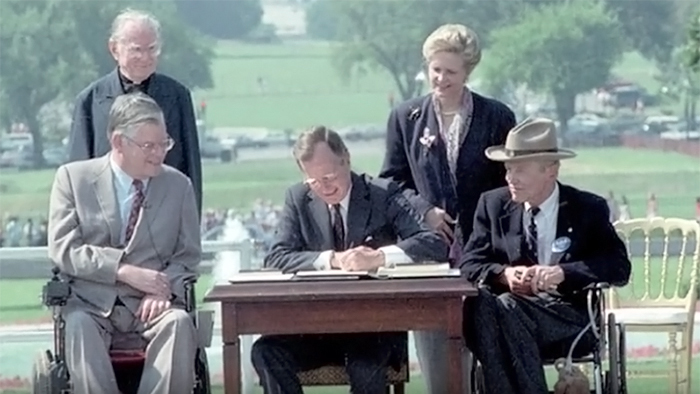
[665, 301]
[336, 376]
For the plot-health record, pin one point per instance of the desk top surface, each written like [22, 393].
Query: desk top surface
[340, 289]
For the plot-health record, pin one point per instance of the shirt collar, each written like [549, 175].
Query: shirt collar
[124, 180]
[345, 202]
[549, 204]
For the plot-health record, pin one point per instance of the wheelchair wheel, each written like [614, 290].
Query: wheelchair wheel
[612, 378]
[41, 373]
[623, 359]
[201, 369]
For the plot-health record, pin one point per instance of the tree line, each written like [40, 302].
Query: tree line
[50, 49]
[557, 47]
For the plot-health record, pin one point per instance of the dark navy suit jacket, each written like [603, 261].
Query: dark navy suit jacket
[596, 253]
[424, 174]
[88, 136]
[377, 209]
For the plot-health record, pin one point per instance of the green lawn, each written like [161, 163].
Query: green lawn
[304, 88]
[626, 172]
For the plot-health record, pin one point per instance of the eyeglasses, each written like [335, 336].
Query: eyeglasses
[151, 147]
[139, 51]
[326, 180]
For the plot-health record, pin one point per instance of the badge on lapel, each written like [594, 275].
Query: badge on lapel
[559, 248]
[414, 114]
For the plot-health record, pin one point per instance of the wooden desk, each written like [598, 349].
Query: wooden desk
[368, 305]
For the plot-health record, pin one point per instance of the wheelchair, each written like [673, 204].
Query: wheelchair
[50, 374]
[609, 339]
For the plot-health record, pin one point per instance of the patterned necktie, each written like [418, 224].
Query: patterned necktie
[338, 229]
[532, 235]
[135, 209]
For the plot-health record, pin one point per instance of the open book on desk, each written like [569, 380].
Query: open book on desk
[421, 270]
[260, 276]
[330, 275]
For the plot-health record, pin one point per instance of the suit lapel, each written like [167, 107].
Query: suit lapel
[155, 196]
[320, 215]
[359, 210]
[106, 196]
[564, 227]
[511, 227]
[437, 156]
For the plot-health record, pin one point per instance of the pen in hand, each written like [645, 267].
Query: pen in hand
[363, 243]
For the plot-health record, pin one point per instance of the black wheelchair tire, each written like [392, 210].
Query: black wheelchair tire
[41, 373]
[201, 367]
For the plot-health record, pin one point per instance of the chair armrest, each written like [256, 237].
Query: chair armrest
[56, 291]
[598, 286]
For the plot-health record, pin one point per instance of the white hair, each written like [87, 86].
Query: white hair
[132, 110]
[130, 15]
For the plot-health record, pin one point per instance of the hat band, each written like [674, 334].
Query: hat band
[525, 152]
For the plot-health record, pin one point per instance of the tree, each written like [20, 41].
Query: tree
[562, 49]
[221, 19]
[36, 67]
[649, 26]
[693, 44]
[389, 35]
[322, 20]
[187, 56]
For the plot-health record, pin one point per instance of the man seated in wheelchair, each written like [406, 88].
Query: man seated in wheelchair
[537, 244]
[124, 230]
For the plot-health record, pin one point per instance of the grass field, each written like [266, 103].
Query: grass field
[674, 178]
[303, 87]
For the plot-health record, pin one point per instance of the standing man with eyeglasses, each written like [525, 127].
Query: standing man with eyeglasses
[135, 43]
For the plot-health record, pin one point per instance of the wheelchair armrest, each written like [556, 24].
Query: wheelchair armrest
[56, 291]
[598, 286]
[190, 294]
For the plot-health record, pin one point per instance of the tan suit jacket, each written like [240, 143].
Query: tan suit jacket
[85, 227]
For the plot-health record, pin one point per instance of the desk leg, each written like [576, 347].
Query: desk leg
[454, 358]
[455, 344]
[232, 368]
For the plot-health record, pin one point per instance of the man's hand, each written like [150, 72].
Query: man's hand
[151, 307]
[517, 280]
[545, 278]
[440, 221]
[147, 280]
[360, 258]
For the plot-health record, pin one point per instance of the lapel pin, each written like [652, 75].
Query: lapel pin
[414, 114]
[561, 244]
[569, 230]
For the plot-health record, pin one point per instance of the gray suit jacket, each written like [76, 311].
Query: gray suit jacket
[377, 209]
[85, 227]
[88, 136]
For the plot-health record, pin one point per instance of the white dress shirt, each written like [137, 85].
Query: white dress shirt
[125, 192]
[546, 221]
[393, 255]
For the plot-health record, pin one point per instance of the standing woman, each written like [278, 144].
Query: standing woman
[435, 150]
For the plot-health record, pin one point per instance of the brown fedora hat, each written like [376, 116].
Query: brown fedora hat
[531, 139]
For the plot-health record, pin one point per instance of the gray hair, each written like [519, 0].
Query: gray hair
[132, 110]
[305, 145]
[137, 16]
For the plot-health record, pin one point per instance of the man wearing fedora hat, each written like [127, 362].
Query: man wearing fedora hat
[535, 245]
